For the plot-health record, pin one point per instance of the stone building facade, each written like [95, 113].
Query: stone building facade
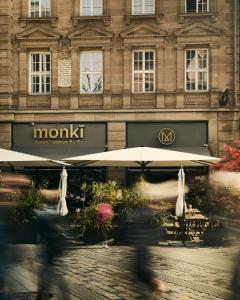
[123, 64]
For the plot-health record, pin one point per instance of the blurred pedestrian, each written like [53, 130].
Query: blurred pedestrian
[53, 245]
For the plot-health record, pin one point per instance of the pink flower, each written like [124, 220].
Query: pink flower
[104, 213]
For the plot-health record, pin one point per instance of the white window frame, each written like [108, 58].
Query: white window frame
[197, 71]
[40, 10]
[143, 8]
[92, 9]
[39, 73]
[144, 71]
[197, 10]
[82, 91]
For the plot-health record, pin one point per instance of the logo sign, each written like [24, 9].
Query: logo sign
[72, 134]
[166, 136]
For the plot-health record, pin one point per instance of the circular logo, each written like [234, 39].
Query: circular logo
[166, 136]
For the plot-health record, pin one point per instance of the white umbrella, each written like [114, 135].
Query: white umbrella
[19, 159]
[143, 157]
[180, 204]
[62, 204]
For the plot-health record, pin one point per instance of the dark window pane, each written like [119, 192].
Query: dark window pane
[191, 6]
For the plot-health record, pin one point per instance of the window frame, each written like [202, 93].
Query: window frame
[196, 11]
[92, 9]
[197, 71]
[82, 92]
[40, 73]
[40, 10]
[143, 9]
[144, 72]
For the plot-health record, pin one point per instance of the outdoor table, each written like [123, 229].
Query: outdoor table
[195, 223]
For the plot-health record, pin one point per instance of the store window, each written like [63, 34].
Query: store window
[143, 7]
[91, 7]
[143, 71]
[196, 6]
[91, 72]
[196, 70]
[40, 73]
[40, 8]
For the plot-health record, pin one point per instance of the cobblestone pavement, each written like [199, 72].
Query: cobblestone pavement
[97, 273]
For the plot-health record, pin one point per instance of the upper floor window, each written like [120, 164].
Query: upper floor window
[196, 6]
[196, 70]
[91, 7]
[143, 7]
[91, 72]
[143, 71]
[40, 73]
[40, 8]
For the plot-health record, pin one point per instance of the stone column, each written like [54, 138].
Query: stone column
[127, 73]
[213, 57]
[107, 101]
[75, 90]
[54, 83]
[160, 76]
[23, 79]
[180, 76]
[116, 140]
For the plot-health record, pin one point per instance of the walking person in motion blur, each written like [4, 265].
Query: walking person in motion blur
[53, 245]
[142, 234]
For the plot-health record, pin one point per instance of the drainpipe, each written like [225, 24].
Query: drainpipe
[235, 55]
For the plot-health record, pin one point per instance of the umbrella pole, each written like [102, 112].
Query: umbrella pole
[184, 225]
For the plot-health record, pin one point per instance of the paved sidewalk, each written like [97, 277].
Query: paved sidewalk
[97, 273]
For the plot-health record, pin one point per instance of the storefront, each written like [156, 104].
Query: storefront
[184, 136]
[58, 141]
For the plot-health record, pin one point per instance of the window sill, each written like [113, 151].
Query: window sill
[49, 20]
[104, 18]
[196, 92]
[207, 15]
[157, 17]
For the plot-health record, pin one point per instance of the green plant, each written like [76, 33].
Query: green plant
[104, 192]
[221, 201]
[27, 201]
[87, 220]
[160, 217]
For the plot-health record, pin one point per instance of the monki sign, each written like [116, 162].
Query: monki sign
[70, 132]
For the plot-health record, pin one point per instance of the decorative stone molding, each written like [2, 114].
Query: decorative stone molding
[24, 21]
[143, 35]
[212, 16]
[106, 20]
[197, 29]
[157, 18]
[37, 33]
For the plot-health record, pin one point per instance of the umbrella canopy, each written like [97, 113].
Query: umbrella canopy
[18, 159]
[180, 204]
[62, 204]
[143, 157]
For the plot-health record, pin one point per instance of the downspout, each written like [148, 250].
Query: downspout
[236, 100]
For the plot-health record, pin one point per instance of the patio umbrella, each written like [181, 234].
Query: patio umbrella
[143, 157]
[19, 159]
[62, 204]
[180, 204]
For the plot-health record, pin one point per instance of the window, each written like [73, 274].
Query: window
[143, 71]
[197, 6]
[143, 7]
[40, 8]
[196, 70]
[91, 69]
[40, 73]
[91, 7]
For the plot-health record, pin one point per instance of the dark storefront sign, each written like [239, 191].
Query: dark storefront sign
[59, 140]
[189, 137]
[179, 136]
